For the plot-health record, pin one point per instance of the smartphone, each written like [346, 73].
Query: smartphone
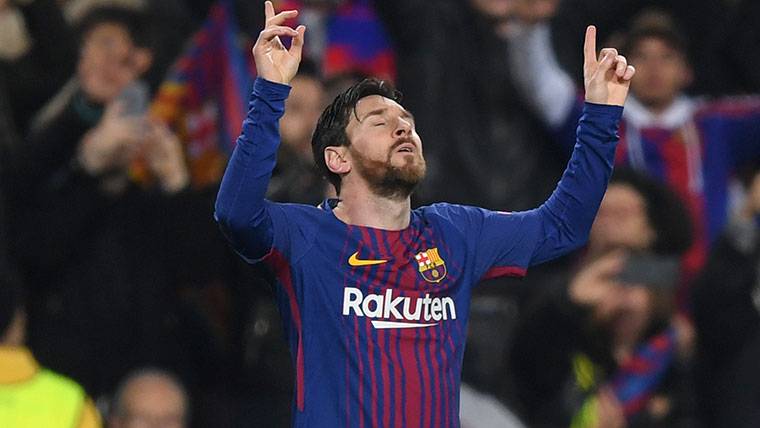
[134, 98]
[653, 270]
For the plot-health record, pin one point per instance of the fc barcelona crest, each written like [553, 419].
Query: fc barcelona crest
[431, 265]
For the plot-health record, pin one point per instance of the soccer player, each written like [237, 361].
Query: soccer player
[375, 295]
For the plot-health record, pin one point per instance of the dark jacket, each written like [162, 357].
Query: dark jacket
[483, 146]
[105, 270]
[555, 334]
[727, 318]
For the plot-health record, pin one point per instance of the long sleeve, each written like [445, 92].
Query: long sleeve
[570, 211]
[241, 209]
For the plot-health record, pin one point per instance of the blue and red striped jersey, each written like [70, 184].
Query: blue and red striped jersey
[695, 147]
[376, 319]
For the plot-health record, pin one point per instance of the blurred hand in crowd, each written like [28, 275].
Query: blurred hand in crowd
[109, 61]
[497, 10]
[595, 286]
[165, 157]
[114, 142]
[534, 11]
[609, 412]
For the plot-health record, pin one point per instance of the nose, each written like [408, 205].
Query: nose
[402, 128]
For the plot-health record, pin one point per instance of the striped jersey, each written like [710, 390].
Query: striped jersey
[695, 147]
[376, 319]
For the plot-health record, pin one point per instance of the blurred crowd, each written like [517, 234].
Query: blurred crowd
[121, 300]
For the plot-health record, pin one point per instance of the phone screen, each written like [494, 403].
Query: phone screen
[134, 98]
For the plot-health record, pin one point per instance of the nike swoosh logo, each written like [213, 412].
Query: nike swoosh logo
[355, 261]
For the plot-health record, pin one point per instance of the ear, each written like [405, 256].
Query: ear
[337, 160]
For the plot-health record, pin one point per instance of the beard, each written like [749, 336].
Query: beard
[388, 180]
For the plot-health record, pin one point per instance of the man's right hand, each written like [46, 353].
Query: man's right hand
[273, 61]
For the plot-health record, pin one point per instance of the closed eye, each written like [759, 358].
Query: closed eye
[379, 124]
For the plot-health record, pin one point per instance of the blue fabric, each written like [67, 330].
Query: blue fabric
[382, 344]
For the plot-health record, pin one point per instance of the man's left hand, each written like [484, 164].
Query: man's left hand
[608, 77]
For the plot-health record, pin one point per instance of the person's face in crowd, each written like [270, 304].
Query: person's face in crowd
[151, 402]
[621, 222]
[495, 9]
[302, 110]
[109, 61]
[385, 149]
[662, 72]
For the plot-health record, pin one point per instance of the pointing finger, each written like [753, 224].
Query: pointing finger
[268, 10]
[589, 48]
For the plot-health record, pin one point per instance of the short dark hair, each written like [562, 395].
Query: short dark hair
[665, 210]
[140, 26]
[654, 24]
[331, 127]
[11, 300]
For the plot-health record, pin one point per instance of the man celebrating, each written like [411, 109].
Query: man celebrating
[375, 295]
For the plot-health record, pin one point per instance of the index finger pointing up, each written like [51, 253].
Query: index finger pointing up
[589, 47]
[268, 10]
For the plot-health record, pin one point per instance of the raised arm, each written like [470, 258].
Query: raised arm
[240, 206]
[566, 218]
[546, 87]
[510, 243]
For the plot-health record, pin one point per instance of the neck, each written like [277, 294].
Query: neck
[361, 207]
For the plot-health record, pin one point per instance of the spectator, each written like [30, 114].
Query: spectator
[104, 256]
[32, 396]
[701, 21]
[475, 123]
[603, 351]
[296, 179]
[727, 319]
[150, 398]
[690, 144]
[38, 54]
